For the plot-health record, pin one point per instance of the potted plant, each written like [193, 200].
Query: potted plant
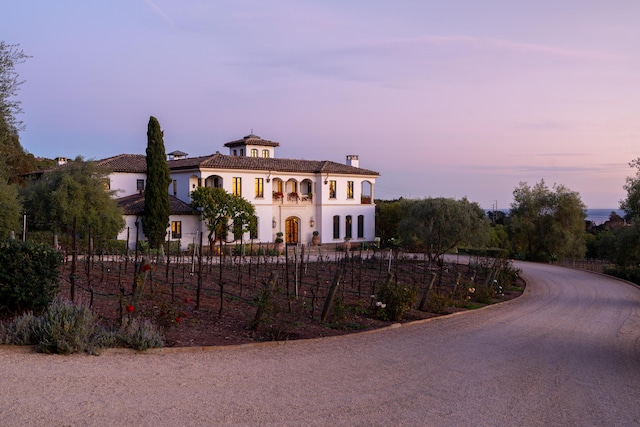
[315, 240]
[279, 242]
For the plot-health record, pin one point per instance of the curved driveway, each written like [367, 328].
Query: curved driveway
[566, 353]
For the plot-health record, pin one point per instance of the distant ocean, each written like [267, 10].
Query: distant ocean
[597, 216]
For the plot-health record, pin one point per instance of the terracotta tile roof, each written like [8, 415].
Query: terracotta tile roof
[134, 205]
[125, 163]
[252, 140]
[138, 163]
[221, 161]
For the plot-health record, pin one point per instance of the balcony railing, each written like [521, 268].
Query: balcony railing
[292, 197]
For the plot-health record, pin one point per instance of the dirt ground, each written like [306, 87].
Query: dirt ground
[221, 307]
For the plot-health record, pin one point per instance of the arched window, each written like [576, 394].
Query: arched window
[336, 226]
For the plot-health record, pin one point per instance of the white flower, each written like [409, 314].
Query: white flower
[379, 303]
[383, 305]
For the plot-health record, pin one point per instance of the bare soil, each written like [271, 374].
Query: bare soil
[206, 305]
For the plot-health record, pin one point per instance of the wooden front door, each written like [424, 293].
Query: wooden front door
[291, 229]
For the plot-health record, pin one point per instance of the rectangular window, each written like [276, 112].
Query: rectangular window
[360, 226]
[106, 184]
[236, 186]
[332, 189]
[265, 154]
[349, 189]
[175, 187]
[176, 229]
[140, 185]
[336, 226]
[254, 152]
[348, 227]
[259, 187]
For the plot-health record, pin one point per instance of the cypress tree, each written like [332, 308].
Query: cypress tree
[155, 216]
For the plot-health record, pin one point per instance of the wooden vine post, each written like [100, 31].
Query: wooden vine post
[331, 295]
[425, 294]
[265, 299]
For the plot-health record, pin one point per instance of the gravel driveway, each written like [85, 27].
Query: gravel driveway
[565, 353]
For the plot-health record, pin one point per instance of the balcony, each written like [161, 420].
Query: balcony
[292, 197]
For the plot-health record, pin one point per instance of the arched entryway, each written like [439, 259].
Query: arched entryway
[292, 230]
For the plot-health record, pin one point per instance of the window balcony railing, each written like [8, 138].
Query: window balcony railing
[292, 197]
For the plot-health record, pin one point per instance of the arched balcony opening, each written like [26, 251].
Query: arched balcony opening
[214, 181]
[366, 194]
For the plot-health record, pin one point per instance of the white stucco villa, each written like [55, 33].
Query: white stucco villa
[295, 197]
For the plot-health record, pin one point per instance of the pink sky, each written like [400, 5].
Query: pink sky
[456, 98]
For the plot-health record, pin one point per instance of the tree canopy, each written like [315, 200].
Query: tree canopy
[76, 189]
[155, 217]
[15, 160]
[11, 209]
[437, 225]
[631, 204]
[221, 209]
[547, 223]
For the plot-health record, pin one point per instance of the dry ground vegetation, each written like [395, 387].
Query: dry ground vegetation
[237, 299]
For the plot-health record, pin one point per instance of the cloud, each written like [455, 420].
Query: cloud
[160, 13]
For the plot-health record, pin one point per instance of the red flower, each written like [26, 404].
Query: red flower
[178, 319]
[187, 300]
[146, 267]
[130, 308]
[185, 314]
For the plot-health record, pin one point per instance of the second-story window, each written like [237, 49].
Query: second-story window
[259, 187]
[236, 186]
[265, 154]
[140, 185]
[349, 189]
[254, 152]
[332, 189]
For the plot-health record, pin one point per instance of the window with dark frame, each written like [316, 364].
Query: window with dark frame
[348, 227]
[176, 229]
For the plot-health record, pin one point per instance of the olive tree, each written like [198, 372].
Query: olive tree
[547, 223]
[221, 209]
[75, 190]
[438, 225]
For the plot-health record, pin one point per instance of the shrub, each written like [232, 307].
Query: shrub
[394, 300]
[28, 276]
[438, 303]
[67, 328]
[139, 334]
[21, 330]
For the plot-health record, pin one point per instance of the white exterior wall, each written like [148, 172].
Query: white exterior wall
[190, 225]
[321, 209]
[125, 183]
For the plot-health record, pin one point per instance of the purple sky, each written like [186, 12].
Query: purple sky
[443, 98]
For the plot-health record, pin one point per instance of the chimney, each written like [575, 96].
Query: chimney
[352, 160]
[61, 161]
